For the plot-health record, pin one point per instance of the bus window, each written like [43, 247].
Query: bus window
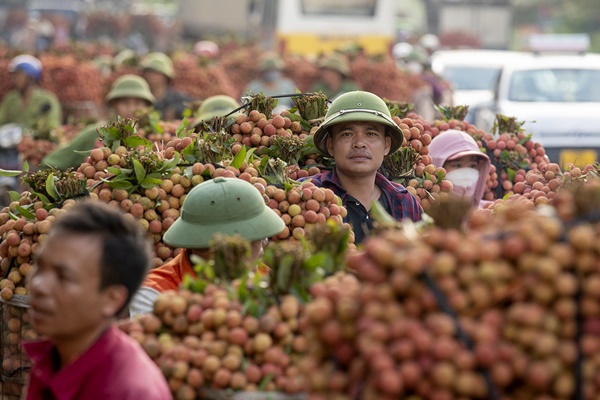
[365, 8]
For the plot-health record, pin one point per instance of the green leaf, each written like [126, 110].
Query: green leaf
[115, 145]
[256, 280]
[187, 172]
[524, 164]
[294, 117]
[189, 149]
[510, 173]
[284, 271]
[172, 163]
[25, 213]
[440, 176]
[249, 154]
[43, 198]
[251, 308]
[25, 166]
[287, 186]
[300, 293]
[525, 139]
[51, 188]
[129, 128]
[504, 155]
[140, 172]
[380, 214]
[199, 285]
[114, 170]
[306, 126]
[206, 173]
[120, 184]
[264, 382]
[117, 178]
[149, 183]
[154, 175]
[239, 158]
[135, 141]
[182, 130]
[83, 152]
[8, 172]
[14, 196]
[315, 261]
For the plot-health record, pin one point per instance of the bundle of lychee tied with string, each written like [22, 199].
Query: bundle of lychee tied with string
[411, 164]
[26, 221]
[287, 136]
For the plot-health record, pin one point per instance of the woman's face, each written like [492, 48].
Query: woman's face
[462, 162]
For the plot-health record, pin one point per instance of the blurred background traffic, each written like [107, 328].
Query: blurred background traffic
[112, 34]
[166, 25]
[425, 53]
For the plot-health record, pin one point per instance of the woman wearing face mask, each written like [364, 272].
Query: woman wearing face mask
[466, 166]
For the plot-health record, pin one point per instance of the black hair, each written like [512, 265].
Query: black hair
[126, 251]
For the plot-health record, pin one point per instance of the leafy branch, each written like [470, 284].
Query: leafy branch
[122, 132]
[143, 169]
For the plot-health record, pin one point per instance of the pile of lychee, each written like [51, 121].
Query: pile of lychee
[208, 341]
[506, 310]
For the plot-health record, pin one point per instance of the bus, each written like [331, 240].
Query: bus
[306, 27]
[312, 27]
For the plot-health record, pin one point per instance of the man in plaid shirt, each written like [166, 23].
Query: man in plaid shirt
[358, 132]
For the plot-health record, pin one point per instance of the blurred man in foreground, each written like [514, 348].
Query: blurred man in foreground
[84, 275]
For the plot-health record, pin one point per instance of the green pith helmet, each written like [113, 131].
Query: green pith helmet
[270, 62]
[159, 62]
[125, 57]
[130, 86]
[358, 106]
[227, 206]
[336, 62]
[216, 106]
[104, 63]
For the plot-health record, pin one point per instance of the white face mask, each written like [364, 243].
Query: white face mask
[464, 181]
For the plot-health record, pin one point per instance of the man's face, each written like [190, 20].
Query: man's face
[331, 77]
[155, 78]
[358, 148]
[66, 300]
[126, 107]
[20, 79]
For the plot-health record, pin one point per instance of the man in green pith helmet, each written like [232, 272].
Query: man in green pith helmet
[157, 69]
[358, 132]
[129, 93]
[219, 105]
[334, 77]
[227, 206]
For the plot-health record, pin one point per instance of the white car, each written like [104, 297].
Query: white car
[558, 99]
[473, 72]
